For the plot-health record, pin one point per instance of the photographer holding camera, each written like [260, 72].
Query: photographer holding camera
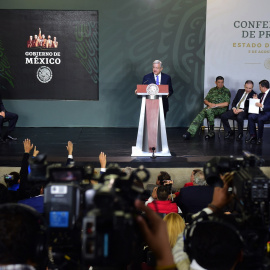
[237, 240]
[163, 179]
[163, 205]
[23, 238]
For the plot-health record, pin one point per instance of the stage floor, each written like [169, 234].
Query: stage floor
[117, 144]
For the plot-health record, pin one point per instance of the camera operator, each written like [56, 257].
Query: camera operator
[213, 245]
[212, 241]
[155, 233]
[22, 237]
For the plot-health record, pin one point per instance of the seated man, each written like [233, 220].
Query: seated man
[239, 110]
[194, 198]
[162, 204]
[217, 101]
[191, 183]
[262, 116]
[12, 118]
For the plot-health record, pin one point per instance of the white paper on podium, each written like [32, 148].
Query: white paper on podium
[252, 107]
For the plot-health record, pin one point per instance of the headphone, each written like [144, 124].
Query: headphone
[37, 243]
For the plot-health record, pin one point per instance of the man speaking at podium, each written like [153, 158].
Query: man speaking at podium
[158, 78]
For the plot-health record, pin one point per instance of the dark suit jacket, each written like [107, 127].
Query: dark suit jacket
[165, 79]
[238, 96]
[194, 198]
[266, 103]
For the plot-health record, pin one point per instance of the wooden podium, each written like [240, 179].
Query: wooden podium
[152, 129]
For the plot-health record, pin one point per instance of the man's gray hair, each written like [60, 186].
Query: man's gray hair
[199, 179]
[158, 62]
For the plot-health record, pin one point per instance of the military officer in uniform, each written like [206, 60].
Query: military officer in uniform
[217, 101]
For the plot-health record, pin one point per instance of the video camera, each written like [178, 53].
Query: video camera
[92, 224]
[250, 189]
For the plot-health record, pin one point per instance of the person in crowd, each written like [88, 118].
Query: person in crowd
[194, 198]
[162, 205]
[199, 179]
[262, 116]
[70, 160]
[156, 236]
[159, 78]
[22, 237]
[36, 199]
[13, 181]
[213, 246]
[35, 190]
[191, 178]
[175, 225]
[217, 102]
[23, 192]
[239, 111]
[11, 118]
[163, 178]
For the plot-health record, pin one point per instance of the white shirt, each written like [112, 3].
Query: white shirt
[265, 94]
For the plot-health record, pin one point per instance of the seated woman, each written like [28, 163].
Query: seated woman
[175, 227]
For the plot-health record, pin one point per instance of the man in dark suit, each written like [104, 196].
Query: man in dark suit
[194, 198]
[239, 110]
[12, 118]
[262, 116]
[157, 77]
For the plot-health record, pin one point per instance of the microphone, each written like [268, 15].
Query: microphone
[145, 82]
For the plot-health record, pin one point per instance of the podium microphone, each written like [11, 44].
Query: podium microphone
[145, 82]
[153, 155]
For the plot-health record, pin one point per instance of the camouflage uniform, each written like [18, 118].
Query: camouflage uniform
[215, 96]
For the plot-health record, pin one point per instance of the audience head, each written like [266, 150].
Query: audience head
[162, 193]
[215, 244]
[22, 235]
[199, 179]
[192, 174]
[161, 177]
[175, 225]
[15, 180]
